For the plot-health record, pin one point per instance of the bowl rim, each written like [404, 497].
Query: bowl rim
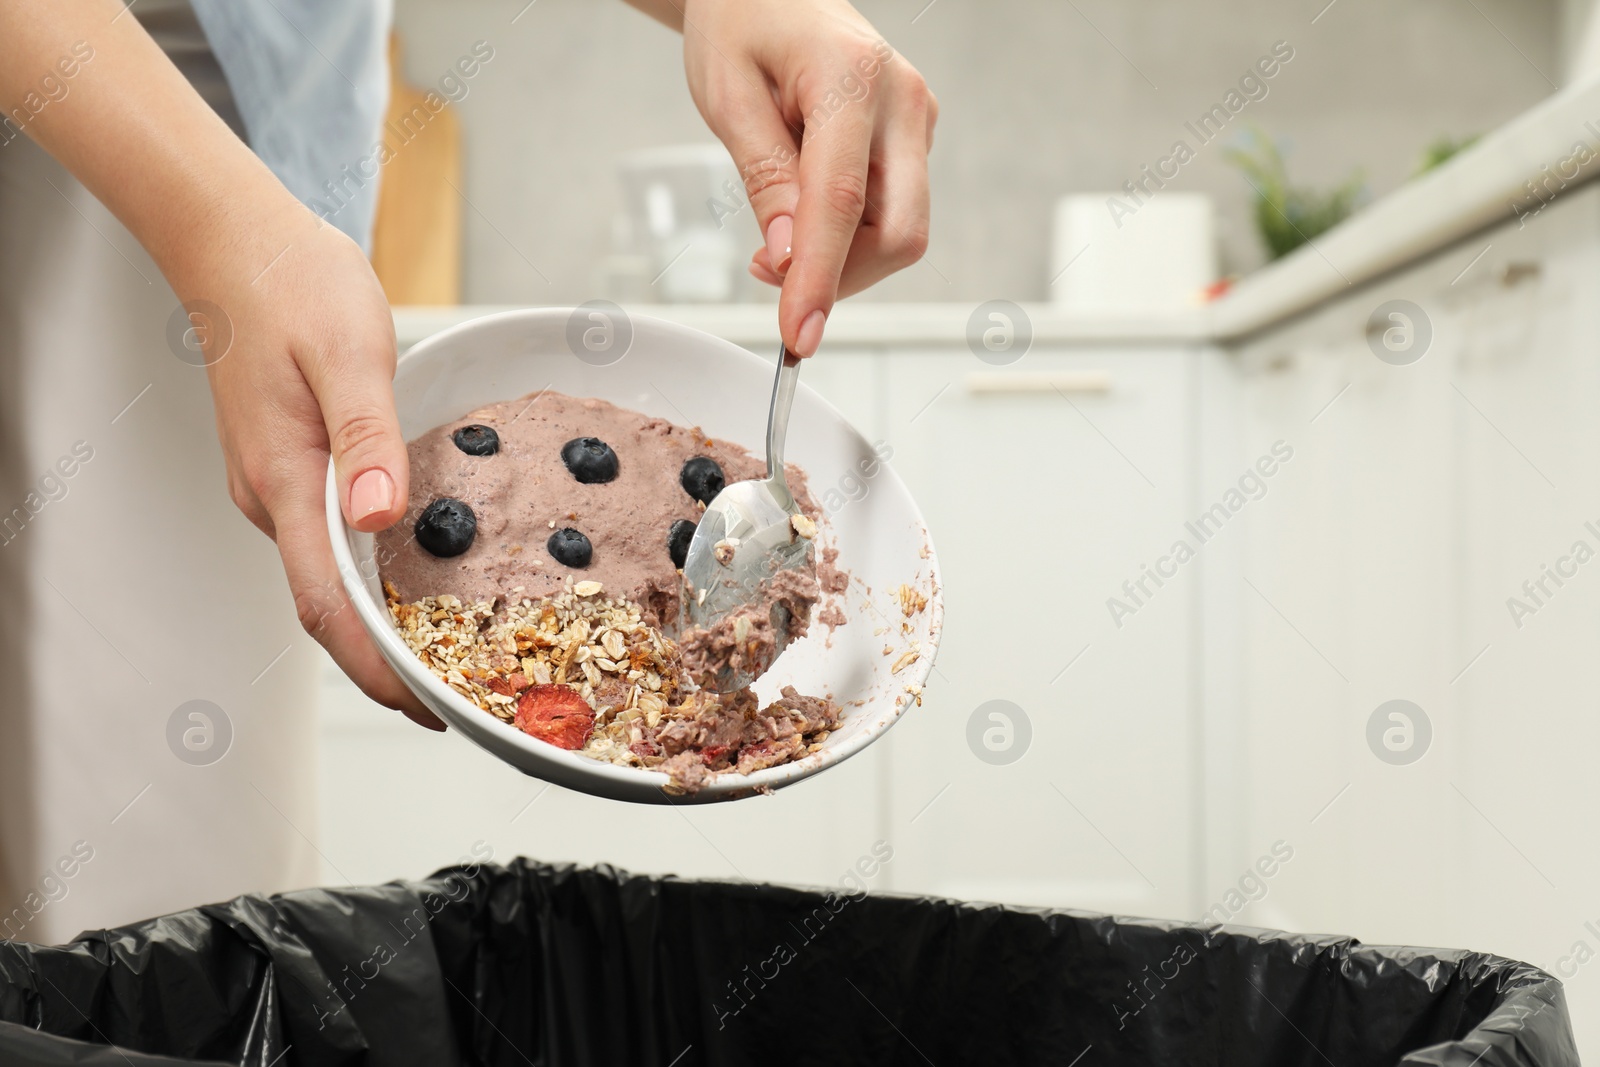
[375, 619]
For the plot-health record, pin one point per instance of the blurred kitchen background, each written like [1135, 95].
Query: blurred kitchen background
[1037, 100]
[1390, 429]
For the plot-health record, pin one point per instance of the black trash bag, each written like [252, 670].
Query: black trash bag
[559, 966]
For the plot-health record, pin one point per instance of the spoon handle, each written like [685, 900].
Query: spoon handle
[778, 416]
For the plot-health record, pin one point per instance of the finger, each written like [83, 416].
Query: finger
[764, 149]
[894, 229]
[425, 719]
[240, 491]
[833, 194]
[245, 499]
[324, 609]
[761, 272]
[355, 390]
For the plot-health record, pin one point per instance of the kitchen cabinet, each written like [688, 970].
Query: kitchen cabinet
[1046, 484]
[1387, 564]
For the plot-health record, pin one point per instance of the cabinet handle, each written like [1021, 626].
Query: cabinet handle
[1082, 381]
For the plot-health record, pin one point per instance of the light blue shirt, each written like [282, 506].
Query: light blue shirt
[310, 81]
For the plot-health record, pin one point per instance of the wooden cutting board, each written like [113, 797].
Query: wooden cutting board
[416, 240]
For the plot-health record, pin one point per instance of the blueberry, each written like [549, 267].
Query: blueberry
[570, 548]
[678, 541]
[446, 527]
[590, 460]
[477, 440]
[702, 479]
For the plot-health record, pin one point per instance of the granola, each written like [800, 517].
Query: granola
[505, 657]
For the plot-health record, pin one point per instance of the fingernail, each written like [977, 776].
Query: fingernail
[810, 334]
[780, 233]
[372, 491]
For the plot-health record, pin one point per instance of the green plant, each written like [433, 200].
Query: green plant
[1288, 216]
[1439, 150]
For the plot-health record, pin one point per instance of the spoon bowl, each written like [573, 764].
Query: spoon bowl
[747, 535]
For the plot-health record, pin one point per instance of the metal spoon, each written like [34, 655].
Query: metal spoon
[748, 526]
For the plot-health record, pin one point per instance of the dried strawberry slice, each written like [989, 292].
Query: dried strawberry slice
[556, 714]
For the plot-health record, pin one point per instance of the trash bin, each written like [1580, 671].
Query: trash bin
[532, 964]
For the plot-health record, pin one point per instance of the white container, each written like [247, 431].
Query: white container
[1113, 254]
[882, 540]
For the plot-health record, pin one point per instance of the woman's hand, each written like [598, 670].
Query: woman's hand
[830, 129]
[308, 371]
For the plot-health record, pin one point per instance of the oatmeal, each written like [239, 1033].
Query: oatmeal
[538, 576]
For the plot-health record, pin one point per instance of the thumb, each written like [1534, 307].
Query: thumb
[356, 395]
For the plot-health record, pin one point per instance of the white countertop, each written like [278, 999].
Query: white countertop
[1474, 190]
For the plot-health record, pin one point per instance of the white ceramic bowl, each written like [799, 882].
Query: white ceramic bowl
[685, 376]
